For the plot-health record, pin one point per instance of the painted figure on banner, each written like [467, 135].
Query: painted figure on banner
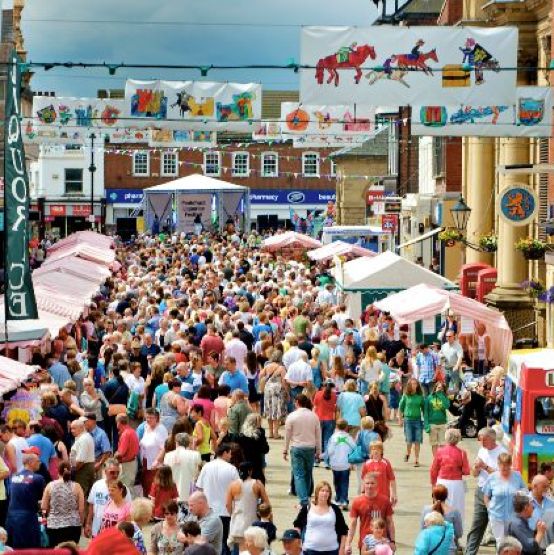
[478, 58]
[530, 111]
[419, 62]
[188, 104]
[149, 103]
[469, 114]
[352, 57]
[324, 120]
[240, 109]
[356, 125]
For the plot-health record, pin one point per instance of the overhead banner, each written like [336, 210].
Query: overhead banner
[408, 65]
[182, 138]
[529, 116]
[202, 105]
[20, 302]
[71, 120]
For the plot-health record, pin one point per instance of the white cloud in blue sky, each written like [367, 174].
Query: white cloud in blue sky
[266, 39]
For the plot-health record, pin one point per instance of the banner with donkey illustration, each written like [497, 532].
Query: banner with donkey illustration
[529, 116]
[204, 105]
[408, 65]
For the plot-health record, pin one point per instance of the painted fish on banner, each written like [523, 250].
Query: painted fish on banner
[408, 65]
[529, 116]
[201, 105]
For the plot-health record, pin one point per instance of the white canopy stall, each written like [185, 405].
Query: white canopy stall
[178, 203]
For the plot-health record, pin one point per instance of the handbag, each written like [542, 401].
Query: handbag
[356, 456]
[440, 542]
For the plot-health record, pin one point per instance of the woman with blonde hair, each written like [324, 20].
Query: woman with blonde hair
[322, 523]
[319, 372]
[436, 537]
[254, 444]
[338, 373]
[370, 369]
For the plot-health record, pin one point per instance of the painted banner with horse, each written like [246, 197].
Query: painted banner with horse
[529, 116]
[408, 65]
[204, 105]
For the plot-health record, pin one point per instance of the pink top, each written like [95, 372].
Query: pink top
[207, 405]
[113, 514]
[450, 463]
[221, 406]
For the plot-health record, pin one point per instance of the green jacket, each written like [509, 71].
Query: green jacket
[411, 406]
[435, 409]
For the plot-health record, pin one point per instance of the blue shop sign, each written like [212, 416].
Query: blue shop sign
[295, 197]
[124, 196]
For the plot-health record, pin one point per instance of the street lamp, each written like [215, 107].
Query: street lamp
[92, 169]
[460, 214]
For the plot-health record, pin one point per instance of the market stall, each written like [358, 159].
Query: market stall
[339, 248]
[290, 245]
[367, 279]
[425, 303]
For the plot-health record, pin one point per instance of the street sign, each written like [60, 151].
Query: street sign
[389, 223]
[91, 218]
[393, 205]
[374, 195]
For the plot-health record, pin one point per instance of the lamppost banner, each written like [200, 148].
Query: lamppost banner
[20, 302]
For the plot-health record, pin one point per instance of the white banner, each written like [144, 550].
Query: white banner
[191, 206]
[329, 141]
[530, 116]
[71, 120]
[408, 65]
[180, 138]
[193, 104]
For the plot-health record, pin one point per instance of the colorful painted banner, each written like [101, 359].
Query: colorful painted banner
[201, 105]
[182, 138]
[328, 141]
[408, 65]
[529, 116]
[267, 131]
[19, 296]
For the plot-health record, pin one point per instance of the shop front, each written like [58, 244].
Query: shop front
[271, 208]
[62, 219]
[124, 210]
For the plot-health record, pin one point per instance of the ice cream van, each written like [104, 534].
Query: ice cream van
[528, 412]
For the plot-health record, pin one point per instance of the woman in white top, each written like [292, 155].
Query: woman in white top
[151, 445]
[242, 500]
[323, 523]
[370, 369]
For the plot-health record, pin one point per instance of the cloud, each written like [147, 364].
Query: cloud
[550, 440]
[266, 38]
[535, 443]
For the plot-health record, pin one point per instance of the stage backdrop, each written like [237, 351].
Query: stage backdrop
[529, 116]
[189, 207]
[415, 65]
[202, 105]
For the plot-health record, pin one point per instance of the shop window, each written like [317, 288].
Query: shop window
[270, 164]
[141, 164]
[169, 164]
[544, 415]
[212, 164]
[241, 164]
[310, 164]
[73, 181]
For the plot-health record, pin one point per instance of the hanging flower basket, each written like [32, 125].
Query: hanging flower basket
[532, 249]
[450, 243]
[534, 288]
[450, 237]
[488, 243]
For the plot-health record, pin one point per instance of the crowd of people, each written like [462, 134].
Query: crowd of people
[157, 408]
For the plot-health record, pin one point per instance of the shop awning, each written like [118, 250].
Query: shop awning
[423, 237]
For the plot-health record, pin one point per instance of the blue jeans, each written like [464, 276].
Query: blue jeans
[302, 462]
[413, 431]
[294, 392]
[341, 479]
[327, 429]
[453, 379]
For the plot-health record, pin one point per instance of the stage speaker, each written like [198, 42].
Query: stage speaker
[125, 227]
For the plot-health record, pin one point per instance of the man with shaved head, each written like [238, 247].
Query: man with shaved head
[81, 456]
[211, 526]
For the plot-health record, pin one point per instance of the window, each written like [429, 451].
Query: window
[73, 181]
[310, 164]
[270, 164]
[333, 168]
[241, 164]
[212, 163]
[438, 157]
[544, 415]
[169, 163]
[141, 164]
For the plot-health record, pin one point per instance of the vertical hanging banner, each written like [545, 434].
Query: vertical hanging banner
[529, 116]
[408, 65]
[201, 105]
[20, 302]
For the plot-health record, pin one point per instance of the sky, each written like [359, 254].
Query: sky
[232, 32]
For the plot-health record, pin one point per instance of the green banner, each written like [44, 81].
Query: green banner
[20, 302]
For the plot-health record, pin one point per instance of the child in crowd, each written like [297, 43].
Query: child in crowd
[339, 448]
[377, 543]
[265, 515]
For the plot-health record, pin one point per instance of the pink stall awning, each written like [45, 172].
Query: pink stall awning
[85, 269]
[83, 237]
[339, 248]
[88, 252]
[290, 239]
[424, 301]
[13, 373]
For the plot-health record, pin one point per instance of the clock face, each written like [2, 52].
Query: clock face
[518, 204]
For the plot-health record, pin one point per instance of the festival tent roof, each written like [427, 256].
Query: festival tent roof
[339, 248]
[193, 183]
[386, 271]
[13, 374]
[290, 239]
[85, 251]
[424, 301]
[73, 265]
[84, 237]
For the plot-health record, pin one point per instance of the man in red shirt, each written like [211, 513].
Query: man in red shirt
[211, 342]
[365, 508]
[127, 450]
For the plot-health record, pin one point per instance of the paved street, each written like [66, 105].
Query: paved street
[413, 488]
